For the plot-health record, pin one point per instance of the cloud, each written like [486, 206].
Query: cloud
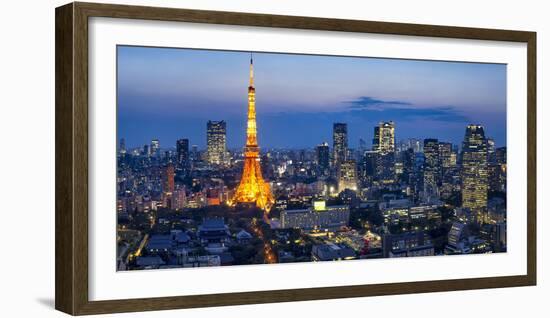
[366, 102]
[367, 106]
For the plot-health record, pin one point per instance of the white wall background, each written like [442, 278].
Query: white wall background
[27, 157]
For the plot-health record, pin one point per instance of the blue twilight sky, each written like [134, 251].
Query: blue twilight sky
[169, 93]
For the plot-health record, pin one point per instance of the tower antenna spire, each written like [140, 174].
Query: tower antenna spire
[251, 71]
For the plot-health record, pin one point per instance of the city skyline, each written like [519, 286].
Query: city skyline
[213, 80]
[216, 207]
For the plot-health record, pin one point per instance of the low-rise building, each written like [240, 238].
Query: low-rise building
[331, 252]
[408, 244]
[318, 217]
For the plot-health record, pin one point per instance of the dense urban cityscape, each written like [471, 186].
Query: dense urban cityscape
[183, 206]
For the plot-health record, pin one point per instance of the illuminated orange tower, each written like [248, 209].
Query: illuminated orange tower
[253, 188]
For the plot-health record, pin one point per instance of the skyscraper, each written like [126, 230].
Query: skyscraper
[369, 165]
[155, 148]
[432, 170]
[323, 158]
[500, 155]
[474, 169]
[347, 176]
[450, 174]
[447, 157]
[216, 142]
[146, 151]
[195, 155]
[408, 158]
[182, 153]
[340, 143]
[253, 188]
[168, 179]
[384, 138]
[383, 144]
[497, 171]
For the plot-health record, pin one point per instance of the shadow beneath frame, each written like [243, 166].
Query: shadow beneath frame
[47, 302]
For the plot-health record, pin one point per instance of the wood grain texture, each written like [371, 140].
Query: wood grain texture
[64, 236]
[72, 157]
[532, 158]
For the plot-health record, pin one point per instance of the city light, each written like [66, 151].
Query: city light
[353, 190]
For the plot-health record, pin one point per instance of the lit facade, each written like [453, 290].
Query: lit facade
[384, 138]
[318, 217]
[253, 188]
[383, 144]
[216, 142]
[432, 168]
[155, 147]
[347, 176]
[474, 169]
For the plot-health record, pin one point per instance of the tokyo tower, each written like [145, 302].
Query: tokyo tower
[253, 188]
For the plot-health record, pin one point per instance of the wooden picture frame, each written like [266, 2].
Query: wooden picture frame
[71, 90]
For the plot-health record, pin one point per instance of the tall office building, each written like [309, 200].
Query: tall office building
[216, 142]
[347, 176]
[369, 164]
[383, 144]
[384, 138]
[408, 158]
[474, 169]
[323, 158]
[182, 153]
[155, 148]
[168, 173]
[447, 157]
[146, 151]
[195, 155]
[500, 155]
[450, 174]
[432, 170]
[497, 170]
[340, 143]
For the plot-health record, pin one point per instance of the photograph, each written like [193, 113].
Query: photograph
[237, 158]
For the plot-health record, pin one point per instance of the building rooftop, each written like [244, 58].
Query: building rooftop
[212, 224]
[149, 261]
[329, 252]
[243, 235]
[159, 242]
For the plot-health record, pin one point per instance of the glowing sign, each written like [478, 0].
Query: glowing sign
[319, 205]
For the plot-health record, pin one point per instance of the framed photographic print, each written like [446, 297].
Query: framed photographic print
[211, 158]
